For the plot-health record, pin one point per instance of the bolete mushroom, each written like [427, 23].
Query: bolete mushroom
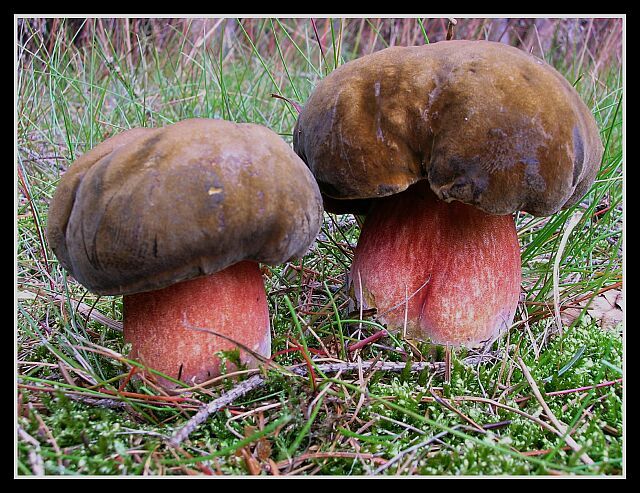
[438, 145]
[176, 219]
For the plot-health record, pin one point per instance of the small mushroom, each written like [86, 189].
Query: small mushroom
[439, 145]
[176, 219]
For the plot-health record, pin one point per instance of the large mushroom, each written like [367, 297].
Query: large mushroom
[439, 145]
[176, 219]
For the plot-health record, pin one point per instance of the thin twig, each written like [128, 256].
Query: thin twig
[436, 438]
[571, 391]
[443, 402]
[417, 446]
[90, 401]
[398, 423]
[360, 344]
[35, 459]
[215, 405]
[293, 103]
[331, 455]
[562, 430]
[506, 407]
[51, 439]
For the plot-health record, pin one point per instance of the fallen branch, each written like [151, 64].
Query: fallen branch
[257, 381]
[224, 400]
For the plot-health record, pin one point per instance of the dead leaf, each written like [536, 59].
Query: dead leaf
[614, 296]
[607, 308]
[569, 314]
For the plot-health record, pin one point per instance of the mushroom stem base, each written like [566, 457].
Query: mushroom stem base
[444, 272]
[172, 329]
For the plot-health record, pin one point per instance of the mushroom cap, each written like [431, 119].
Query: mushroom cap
[485, 123]
[151, 207]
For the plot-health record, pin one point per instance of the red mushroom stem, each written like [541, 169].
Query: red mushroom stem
[160, 324]
[445, 272]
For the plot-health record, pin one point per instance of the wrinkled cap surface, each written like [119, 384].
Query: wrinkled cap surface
[151, 207]
[486, 123]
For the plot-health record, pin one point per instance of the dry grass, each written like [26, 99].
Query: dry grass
[578, 41]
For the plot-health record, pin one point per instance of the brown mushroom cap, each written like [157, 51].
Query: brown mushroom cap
[487, 124]
[152, 207]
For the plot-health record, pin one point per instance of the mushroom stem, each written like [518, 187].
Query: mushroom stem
[445, 272]
[160, 324]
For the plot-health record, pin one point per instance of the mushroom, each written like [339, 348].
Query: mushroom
[176, 219]
[439, 145]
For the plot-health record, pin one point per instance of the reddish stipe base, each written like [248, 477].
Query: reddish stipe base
[452, 271]
[231, 302]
